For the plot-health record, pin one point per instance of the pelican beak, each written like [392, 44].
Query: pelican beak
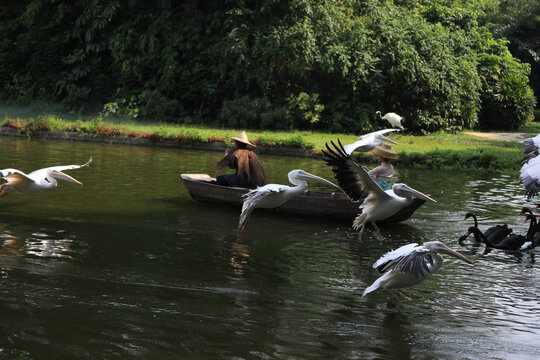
[384, 138]
[60, 175]
[308, 176]
[420, 195]
[454, 253]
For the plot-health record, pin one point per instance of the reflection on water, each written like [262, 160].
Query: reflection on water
[130, 266]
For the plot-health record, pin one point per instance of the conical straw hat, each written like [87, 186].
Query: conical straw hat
[242, 137]
[385, 151]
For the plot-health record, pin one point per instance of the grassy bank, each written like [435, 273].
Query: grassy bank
[460, 151]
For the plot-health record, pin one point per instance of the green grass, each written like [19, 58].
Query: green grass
[440, 150]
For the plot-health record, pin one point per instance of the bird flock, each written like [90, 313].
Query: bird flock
[501, 236]
[403, 267]
[406, 266]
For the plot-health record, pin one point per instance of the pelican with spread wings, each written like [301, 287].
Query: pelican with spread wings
[409, 265]
[36, 181]
[377, 204]
[369, 141]
[273, 195]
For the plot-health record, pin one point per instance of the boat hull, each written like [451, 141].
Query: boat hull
[317, 204]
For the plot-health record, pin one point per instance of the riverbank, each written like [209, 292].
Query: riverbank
[439, 151]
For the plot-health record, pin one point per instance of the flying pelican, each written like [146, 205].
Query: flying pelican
[394, 119]
[409, 265]
[531, 147]
[530, 177]
[367, 142]
[494, 233]
[36, 181]
[377, 204]
[274, 195]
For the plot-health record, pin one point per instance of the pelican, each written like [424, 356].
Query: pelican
[531, 147]
[409, 265]
[530, 177]
[367, 142]
[377, 204]
[394, 119]
[273, 195]
[36, 181]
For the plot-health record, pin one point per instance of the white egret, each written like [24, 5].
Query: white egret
[409, 265]
[394, 119]
[377, 204]
[273, 195]
[36, 181]
[369, 141]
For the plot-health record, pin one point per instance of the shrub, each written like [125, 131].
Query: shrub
[248, 113]
[507, 100]
[303, 111]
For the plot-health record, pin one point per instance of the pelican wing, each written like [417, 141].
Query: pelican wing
[365, 141]
[393, 255]
[531, 144]
[381, 132]
[361, 143]
[252, 197]
[14, 176]
[530, 177]
[411, 259]
[351, 178]
[416, 264]
[59, 168]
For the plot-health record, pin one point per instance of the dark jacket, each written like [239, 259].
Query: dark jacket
[247, 167]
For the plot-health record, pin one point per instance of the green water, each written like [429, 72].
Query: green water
[130, 267]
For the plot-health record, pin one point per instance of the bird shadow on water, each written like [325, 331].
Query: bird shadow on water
[398, 336]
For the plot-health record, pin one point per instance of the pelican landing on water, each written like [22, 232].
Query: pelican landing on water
[377, 204]
[410, 265]
[36, 181]
[273, 195]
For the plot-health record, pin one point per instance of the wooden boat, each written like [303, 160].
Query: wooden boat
[319, 204]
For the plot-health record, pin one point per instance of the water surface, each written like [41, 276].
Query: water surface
[129, 266]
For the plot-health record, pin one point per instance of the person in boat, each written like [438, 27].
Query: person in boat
[383, 173]
[249, 171]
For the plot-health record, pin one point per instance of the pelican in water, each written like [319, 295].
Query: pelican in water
[409, 265]
[36, 181]
[394, 119]
[369, 141]
[273, 195]
[377, 204]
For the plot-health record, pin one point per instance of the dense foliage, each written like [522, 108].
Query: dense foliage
[270, 64]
